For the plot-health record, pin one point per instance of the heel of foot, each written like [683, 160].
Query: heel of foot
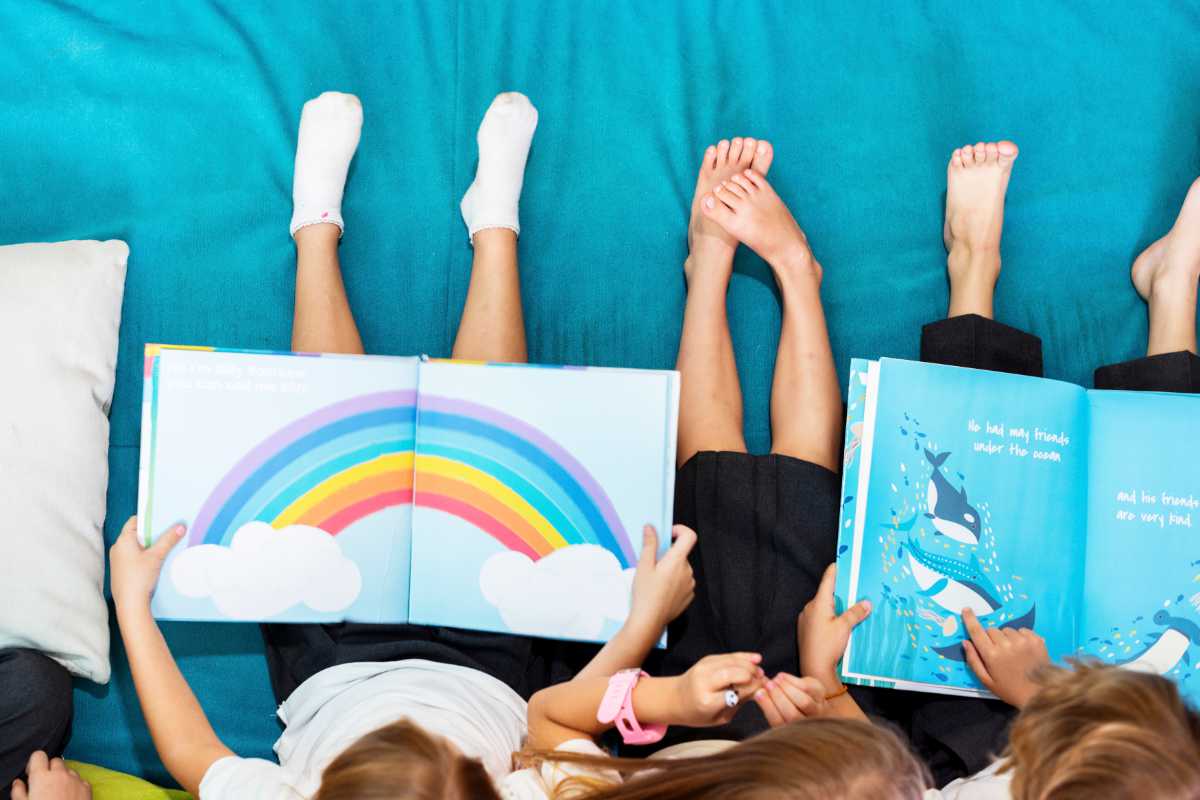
[482, 211]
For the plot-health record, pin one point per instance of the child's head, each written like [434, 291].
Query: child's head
[1102, 731]
[820, 759]
[403, 762]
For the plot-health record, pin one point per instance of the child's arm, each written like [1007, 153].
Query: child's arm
[1004, 659]
[661, 591]
[695, 699]
[185, 740]
[823, 635]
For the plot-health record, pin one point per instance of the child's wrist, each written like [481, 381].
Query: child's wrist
[128, 606]
[658, 701]
[644, 624]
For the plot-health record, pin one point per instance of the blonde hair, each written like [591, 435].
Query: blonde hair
[403, 762]
[820, 759]
[1101, 731]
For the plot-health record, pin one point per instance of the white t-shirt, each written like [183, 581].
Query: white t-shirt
[983, 785]
[530, 784]
[480, 715]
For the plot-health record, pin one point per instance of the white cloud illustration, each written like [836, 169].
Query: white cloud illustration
[569, 593]
[264, 572]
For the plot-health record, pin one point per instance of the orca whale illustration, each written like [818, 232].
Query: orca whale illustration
[951, 646]
[947, 507]
[952, 584]
[1167, 648]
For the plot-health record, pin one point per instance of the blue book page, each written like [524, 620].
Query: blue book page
[1142, 593]
[532, 488]
[293, 474]
[975, 490]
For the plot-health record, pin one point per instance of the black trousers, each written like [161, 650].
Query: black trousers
[959, 736]
[297, 652]
[35, 711]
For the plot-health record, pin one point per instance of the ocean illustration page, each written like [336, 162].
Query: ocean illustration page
[962, 489]
[293, 474]
[1141, 605]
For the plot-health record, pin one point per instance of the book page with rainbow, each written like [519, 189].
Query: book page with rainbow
[531, 489]
[379, 489]
[293, 474]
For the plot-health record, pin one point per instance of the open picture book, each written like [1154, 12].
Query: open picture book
[1033, 502]
[507, 498]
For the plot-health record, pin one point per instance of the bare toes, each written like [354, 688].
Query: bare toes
[735, 149]
[763, 155]
[993, 152]
[722, 152]
[735, 189]
[745, 184]
[749, 145]
[1007, 151]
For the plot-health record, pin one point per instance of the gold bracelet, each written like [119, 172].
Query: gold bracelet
[837, 694]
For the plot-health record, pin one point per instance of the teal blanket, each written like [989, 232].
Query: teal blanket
[172, 126]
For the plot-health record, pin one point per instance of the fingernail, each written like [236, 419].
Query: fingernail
[759, 694]
[749, 173]
[718, 188]
[762, 148]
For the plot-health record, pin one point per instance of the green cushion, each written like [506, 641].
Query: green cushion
[109, 785]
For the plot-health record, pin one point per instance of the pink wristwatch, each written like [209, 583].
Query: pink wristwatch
[617, 709]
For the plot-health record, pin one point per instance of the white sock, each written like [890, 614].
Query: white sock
[504, 138]
[330, 125]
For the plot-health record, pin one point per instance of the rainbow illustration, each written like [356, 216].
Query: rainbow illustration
[344, 462]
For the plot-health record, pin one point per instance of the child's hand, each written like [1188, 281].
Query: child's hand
[1004, 659]
[133, 569]
[700, 699]
[50, 780]
[786, 698]
[823, 633]
[662, 589]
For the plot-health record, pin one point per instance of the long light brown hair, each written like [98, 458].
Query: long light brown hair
[402, 762]
[1101, 731]
[820, 759]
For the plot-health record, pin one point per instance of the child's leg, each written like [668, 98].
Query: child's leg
[492, 327]
[710, 406]
[976, 181]
[329, 132]
[322, 321]
[1166, 276]
[806, 404]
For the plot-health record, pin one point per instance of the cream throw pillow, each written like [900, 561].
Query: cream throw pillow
[60, 308]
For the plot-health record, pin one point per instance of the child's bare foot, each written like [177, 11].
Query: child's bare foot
[1172, 264]
[976, 181]
[747, 208]
[708, 245]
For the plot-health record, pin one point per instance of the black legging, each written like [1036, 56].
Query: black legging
[35, 711]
